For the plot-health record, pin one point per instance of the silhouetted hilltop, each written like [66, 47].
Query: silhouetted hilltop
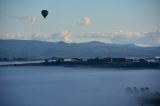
[40, 49]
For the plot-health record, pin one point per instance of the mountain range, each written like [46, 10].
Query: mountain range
[40, 49]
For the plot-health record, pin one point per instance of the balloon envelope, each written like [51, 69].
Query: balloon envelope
[44, 13]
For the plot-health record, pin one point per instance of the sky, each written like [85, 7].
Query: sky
[109, 21]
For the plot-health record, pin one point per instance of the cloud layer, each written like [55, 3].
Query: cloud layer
[16, 35]
[125, 37]
[65, 36]
[118, 37]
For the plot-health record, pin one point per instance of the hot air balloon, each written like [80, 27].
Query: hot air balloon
[44, 13]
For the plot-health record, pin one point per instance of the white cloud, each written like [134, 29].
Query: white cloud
[125, 37]
[65, 36]
[127, 34]
[39, 36]
[86, 21]
[142, 45]
[124, 34]
[31, 19]
[16, 35]
[118, 37]
[158, 39]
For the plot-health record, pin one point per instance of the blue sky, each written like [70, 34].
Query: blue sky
[110, 21]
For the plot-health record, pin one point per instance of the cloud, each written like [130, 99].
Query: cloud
[65, 36]
[85, 21]
[142, 45]
[16, 35]
[127, 34]
[126, 37]
[116, 37]
[39, 36]
[30, 19]
[158, 39]
[60, 36]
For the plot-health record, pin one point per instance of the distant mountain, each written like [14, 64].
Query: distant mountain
[39, 49]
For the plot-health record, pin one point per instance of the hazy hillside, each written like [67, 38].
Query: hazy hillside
[39, 49]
